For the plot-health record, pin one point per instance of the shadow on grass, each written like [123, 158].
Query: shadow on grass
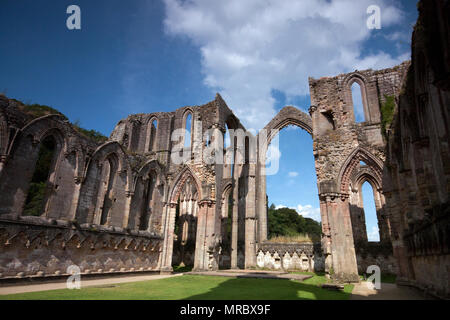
[270, 289]
[196, 287]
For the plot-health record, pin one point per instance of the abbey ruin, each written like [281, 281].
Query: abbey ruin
[127, 206]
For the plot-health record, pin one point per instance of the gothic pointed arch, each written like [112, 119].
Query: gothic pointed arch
[287, 116]
[105, 186]
[374, 164]
[147, 197]
[24, 152]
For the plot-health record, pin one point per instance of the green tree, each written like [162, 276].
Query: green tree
[287, 222]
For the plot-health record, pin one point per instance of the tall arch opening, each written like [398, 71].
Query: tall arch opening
[188, 130]
[293, 213]
[108, 174]
[185, 227]
[152, 134]
[38, 192]
[358, 102]
[370, 212]
[148, 201]
[226, 229]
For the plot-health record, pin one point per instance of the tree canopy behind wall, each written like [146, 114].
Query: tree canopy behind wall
[287, 222]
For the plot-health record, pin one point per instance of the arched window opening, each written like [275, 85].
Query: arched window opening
[153, 130]
[148, 202]
[108, 175]
[208, 138]
[226, 227]
[228, 154]
[227, 138]
[188, 129]
[358, 103]
[185, 226]
[247, 150]
[329, 117]
[37, 192]
[370, 212]
[293, 212]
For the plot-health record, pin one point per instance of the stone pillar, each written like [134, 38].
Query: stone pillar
[169, 224]
[343, 256]
[383, 226]
[250, 219]
[235, 217]
[206, 248]
[262, 205]
[326, 235]
[76, 196]
[126, 214]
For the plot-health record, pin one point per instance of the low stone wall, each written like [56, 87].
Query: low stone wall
[290, 256]
[376, 253]
[33, 246]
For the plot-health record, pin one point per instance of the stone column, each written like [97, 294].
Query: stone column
[169, 224]
[76, 196]
[206, 257]
[344, 265]
[126, 214]
[262, 205]
[234, 226]
[200, 249]
[250, 219]
[326, 235]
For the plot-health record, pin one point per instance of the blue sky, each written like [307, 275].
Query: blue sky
[158, 55]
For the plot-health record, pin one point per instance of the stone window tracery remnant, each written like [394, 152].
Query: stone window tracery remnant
[152, 133]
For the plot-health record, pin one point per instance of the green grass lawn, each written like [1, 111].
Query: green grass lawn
[196, 287]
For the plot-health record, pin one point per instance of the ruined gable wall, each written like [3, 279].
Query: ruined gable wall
[417, 171]
[336, 135]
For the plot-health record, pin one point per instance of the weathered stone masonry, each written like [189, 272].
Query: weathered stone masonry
[126, 205]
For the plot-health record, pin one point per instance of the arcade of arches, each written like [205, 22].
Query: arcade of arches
[126, 205]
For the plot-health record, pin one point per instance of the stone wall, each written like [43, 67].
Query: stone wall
[381, 255]
[416, 179]
[290, 257]
[33, 246]
[131, 183]
[348, 154]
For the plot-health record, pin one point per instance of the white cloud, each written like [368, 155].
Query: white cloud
[293, 174]
[309, 211]
[251, 47]
[374, 234]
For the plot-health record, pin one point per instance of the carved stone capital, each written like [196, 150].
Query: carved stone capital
[173, 205]
[206, 202]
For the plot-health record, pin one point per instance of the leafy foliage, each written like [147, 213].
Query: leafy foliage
[287, 222]
[387, 112]
[34, 203]
[35, 199]
[92, 134]
[38, 110]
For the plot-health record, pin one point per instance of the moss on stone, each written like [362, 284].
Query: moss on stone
[387, 112]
